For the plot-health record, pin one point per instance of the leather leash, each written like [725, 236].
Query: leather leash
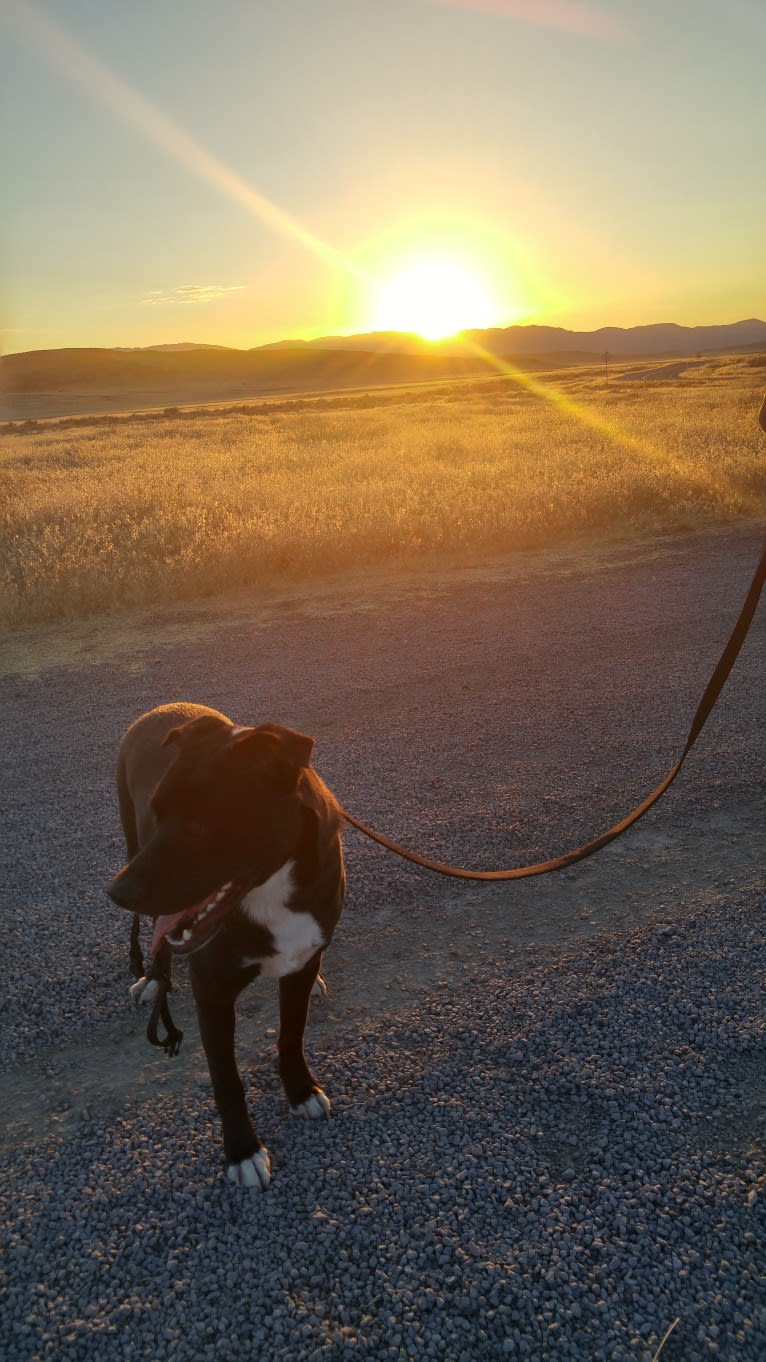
[712, 691]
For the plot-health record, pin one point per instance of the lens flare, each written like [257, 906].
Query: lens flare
[65, 54]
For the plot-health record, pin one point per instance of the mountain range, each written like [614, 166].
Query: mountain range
[42, 383]
[661, 339]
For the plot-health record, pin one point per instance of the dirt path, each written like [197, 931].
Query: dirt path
[646, 879]
[418, 732]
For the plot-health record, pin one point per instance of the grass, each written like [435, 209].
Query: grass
[99, 515]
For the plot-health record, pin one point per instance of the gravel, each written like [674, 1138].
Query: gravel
[547, 1131]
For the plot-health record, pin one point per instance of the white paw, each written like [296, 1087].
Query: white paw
[252, 1172]
[143, 991]
[319, 987]
[315, 1106]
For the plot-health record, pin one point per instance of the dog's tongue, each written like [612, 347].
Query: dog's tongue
[163, 925]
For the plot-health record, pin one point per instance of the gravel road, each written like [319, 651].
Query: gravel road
[547, 1136]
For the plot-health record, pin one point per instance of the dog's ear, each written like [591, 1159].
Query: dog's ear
[196, 728]
[296, 747]
[279, 753]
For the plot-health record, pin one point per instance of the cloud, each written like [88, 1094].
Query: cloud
[576, 16]
[191, 293]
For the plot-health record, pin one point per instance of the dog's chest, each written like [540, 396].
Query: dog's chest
[295, 936]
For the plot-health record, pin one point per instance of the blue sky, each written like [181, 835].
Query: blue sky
[244, 172]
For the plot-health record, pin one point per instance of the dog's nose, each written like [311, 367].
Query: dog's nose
[119, 892]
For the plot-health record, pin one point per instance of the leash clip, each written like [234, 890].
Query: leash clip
[171, 1042]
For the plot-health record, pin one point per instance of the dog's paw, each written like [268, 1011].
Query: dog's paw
[252, 1172]
[144, 991]
[319, 987]
[315, 1107]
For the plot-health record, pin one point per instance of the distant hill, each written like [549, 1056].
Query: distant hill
[79, 369]
[40, 383]
[170, 345]
[43, 383]
[661, 339]
[665, 338]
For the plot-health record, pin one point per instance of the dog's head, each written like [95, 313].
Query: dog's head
[227, 814]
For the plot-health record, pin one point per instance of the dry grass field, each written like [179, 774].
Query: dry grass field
[113, 512]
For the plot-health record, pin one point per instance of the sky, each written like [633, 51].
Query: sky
[247, 171]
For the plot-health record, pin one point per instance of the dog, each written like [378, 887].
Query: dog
[234, 848]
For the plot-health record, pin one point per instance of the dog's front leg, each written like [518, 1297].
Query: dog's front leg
[136, 958]
[247, 1160]
[304, 1094]
[159, 972]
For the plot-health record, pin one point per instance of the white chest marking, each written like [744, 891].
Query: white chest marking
[297, 936]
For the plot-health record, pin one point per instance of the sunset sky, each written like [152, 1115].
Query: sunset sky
[244, 171]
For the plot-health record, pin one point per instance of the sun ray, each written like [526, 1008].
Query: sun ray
[63, 52]
[596, 421]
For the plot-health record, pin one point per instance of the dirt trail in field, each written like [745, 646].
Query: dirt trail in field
[491, 714]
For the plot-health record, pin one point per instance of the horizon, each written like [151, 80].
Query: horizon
[428, 346]
[436, 167]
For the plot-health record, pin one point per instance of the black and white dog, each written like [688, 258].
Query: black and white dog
[234, 849]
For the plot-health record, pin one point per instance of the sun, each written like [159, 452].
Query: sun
[435, 299]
